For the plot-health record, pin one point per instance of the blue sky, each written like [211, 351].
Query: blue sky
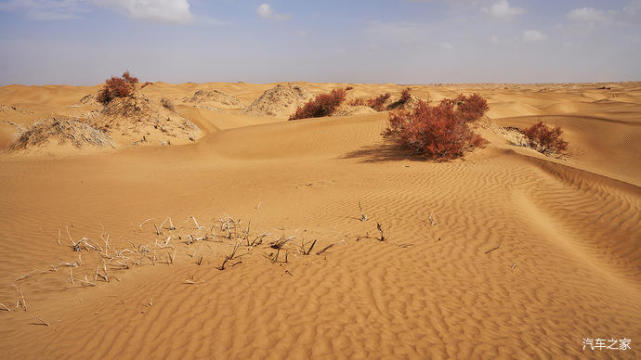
[82, 42]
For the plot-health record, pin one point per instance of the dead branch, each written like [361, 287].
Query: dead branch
[380, 230]
[325, 249]
[308, 251]
[493, 249]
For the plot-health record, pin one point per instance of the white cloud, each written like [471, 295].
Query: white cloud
[46, 9]
[501, 9]
[531, 36]
[589, 15]
[174, 11]
[266, 11]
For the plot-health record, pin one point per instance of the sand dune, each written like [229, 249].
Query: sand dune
[524, 255]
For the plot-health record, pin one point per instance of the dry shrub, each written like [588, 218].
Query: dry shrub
[441, 131]
[123, 86]
[349, 88]
[145, 84]
[357, 102]
[378, 103]
[545, 139]
[321, 105]
[406, 96]
[168, 104]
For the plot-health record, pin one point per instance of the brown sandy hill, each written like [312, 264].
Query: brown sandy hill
[61, 131]
[282, 100]
[139, 119]
[213, 100]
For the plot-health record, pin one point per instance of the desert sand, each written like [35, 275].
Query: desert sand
[505, 253]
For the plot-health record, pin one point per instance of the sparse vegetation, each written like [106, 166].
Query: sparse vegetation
[123, 86]
[378, 103]
[321, 105]
[357, 102]
[441, 131]
[545, 139]
[406, 96]
[168, 104]
[61, 130]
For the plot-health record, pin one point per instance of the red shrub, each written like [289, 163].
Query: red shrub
[438, 132]
[545, 139]
[321, 105]
[472, 107]
[130, 79]
[378, 103]
[400, 103]
[405, 95]
[117, 87]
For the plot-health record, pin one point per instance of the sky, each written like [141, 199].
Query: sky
[83, 42]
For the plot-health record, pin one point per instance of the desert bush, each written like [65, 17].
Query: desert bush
[349, 88]
[123, 86]
[545, 139]
[145, 84]
[321, 105]
[378, 103]
[441, 131]
[357, 102]
[167, 104]
[400, 103]
[471, 108]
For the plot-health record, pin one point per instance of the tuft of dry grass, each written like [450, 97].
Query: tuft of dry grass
[229, 257]
[168, 104]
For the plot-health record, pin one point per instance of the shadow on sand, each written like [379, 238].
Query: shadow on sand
[384, 152]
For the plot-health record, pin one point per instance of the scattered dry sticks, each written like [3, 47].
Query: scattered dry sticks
[113, 259]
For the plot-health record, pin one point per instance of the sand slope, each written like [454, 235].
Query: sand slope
[526, 255]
